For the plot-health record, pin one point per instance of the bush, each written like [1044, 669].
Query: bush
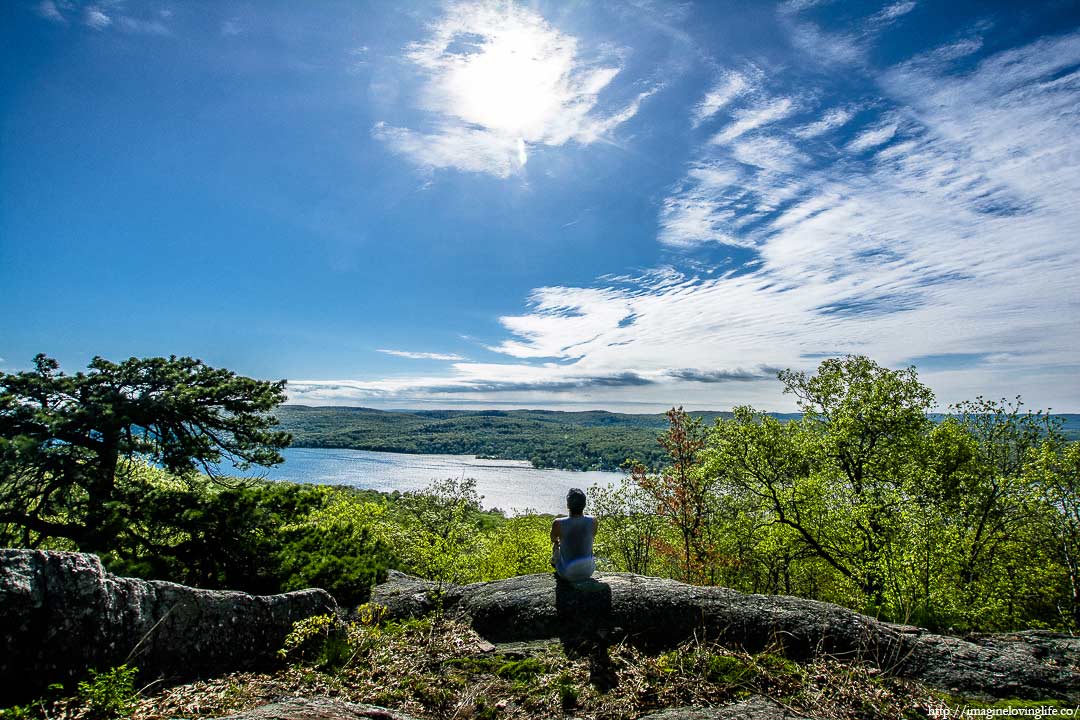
[109, 694]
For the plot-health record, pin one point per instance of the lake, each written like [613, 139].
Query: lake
[509, 485]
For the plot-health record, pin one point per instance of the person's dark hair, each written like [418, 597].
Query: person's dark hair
[575, 500]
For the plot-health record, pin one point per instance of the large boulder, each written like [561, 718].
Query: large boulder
[61, 613]
[656, 613]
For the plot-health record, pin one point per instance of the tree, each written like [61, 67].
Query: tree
[993, 494]
[681, 491]
[630, 526]
[838, 476]
[66, 440]
[440, 532]
[1056, 473]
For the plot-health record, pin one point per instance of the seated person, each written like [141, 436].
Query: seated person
[572, 540]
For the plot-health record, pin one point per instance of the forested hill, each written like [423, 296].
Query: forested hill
[593, 440]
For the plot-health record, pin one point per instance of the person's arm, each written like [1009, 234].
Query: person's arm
[556, 533]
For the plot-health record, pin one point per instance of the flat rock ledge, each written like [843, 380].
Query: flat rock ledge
[318, 709]
[753, 708]
[656, 613]
[61, 613]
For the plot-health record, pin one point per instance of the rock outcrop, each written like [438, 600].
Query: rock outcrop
[657, 613]
[318, 709]
[61, 613]
[753, 708]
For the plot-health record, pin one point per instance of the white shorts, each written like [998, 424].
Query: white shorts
[576, 570]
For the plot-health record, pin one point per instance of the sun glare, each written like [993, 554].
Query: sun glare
[506, 72]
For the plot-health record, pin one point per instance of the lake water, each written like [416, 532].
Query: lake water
[510, 485]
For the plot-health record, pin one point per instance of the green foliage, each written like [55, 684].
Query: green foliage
[320, 641]
[109, 694]
[439, 531]
[628, 526]
[966, 524]
[63, 438]
[341, 547]
[963, 521]
[518, 546]
[521, 671]
[682, 492]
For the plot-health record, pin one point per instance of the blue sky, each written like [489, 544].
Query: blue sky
[623, 205]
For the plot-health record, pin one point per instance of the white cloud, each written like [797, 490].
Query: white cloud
[95, 18]
[730, 86]
[768, 153]
[889, 14]
[947, 230]
[232, 27]
[48, 10]
[143, 27]
[455, 146]
[699, 212]
[842, 48]
[832, 119]
[955, 240]
[826, 48]
[104, 14]
[498, 80]
[754, 118]
[800, 5]
[421, 355]
[872, 137]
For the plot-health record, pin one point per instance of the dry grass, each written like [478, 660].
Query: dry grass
[445, 671]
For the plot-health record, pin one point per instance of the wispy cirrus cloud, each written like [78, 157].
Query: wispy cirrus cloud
[939, 233]
[144, 26]
[498, 79]
[752, 118]
[840, 47]
[48, 10]
[831, 120]
[873, 137]
[889, 14]
[106, 14]
[731, 85]
[94, 17]
[421, 355]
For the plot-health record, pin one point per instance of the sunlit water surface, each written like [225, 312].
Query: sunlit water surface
[510, 485]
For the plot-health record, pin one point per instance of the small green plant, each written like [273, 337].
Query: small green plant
[36, 709]
[109, 694]
[483, 711]
[568, 693]
[30, 711]
[322, 641]
[521, 671]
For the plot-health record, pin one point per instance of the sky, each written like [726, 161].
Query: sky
[568, 205]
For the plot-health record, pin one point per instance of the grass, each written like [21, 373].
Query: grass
[443, 670]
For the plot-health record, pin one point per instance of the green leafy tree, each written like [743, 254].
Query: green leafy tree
[439, 536]
[682, 492]
[341, 546]
[1055, 472]
[519, 546]
[993, 495]
[838, 476]
[64, 438]
[629, 526]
